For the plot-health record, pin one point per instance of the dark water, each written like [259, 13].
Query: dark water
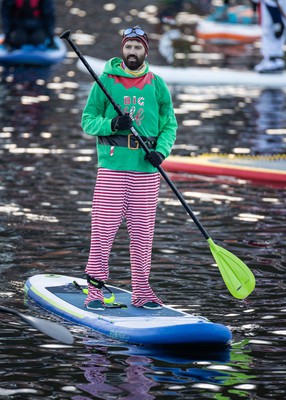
[47, 172]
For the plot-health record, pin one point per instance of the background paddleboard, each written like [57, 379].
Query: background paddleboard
[227, 33]
[33, 55]
[58, 294]
[260, 168]
[202, 76]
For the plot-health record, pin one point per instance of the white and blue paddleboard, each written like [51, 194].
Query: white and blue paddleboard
[167, 326]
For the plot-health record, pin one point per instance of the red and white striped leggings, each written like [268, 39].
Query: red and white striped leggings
[119, 195]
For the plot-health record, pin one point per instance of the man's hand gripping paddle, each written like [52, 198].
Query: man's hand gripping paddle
[238, 278]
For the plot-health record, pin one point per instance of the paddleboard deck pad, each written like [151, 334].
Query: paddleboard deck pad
[167, 326]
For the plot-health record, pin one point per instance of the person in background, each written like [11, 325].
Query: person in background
[168, 10]
[28, 22]
[273, 19]
[220, 13]
[234, 12]
[127, 183]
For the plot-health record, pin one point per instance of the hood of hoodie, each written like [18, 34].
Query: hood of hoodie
[114, 67]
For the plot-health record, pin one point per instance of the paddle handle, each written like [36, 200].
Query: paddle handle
[66, 36]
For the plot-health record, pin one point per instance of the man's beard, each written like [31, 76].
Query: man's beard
[135, 63]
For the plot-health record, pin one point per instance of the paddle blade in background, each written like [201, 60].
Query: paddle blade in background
[49, 328]
[238, 278]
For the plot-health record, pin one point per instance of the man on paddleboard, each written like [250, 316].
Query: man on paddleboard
[28, 22]
[127, 184]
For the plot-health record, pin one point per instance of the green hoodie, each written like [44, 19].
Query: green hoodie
[147, 99]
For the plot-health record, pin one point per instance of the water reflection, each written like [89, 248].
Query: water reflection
[145, 370]
[235, 120]
[174, 374]
[97, 367]
[133, 383]
[270, 122]
[25, 75]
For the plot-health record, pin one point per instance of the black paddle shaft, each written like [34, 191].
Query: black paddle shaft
[66, 35]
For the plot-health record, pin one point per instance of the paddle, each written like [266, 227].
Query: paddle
[52, 329]
[237, 276]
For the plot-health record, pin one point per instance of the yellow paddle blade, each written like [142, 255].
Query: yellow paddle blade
[238, 278]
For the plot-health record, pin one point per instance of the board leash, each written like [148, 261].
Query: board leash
[109, 302]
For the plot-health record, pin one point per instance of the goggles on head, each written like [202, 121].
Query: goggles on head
[133, 32]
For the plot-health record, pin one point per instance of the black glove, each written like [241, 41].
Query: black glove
[121, 122]
[155, 158]
[278, 29]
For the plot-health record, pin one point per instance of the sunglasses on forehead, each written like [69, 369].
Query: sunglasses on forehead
[132, 32]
